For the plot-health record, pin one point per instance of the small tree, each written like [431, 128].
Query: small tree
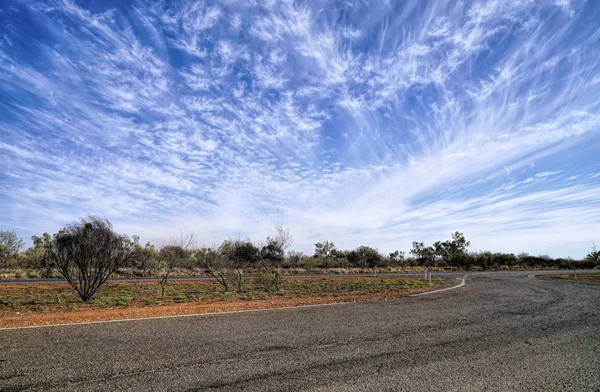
[216, 263]
[396, 257]
[36, 256]
[271, 257]
[142, 256]
[594, 254]
[173, 255]
[242, 254]
[87, 252]
[568, 264]
[169, 258]
[454, 251]
[364, 257]
[485, 260]
[283, 237]
[325, 250]
[10, 244]
[523, 258]
[425, 256]
[272, 253]
[294, 258]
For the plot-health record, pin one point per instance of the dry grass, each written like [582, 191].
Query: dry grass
[60, 297]
[51, 304]
[587, 277]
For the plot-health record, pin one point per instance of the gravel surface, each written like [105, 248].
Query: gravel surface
[499, 332]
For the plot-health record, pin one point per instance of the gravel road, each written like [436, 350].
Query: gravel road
[501, 331]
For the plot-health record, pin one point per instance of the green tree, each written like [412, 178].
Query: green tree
[594, 254]
[485, 260]
[142, 257]
[242, 254]
[37, 255]
[10, 245]
[364, 256]
[326, 251]
[454, 252]
[396, 257]
[425, 255]
[273, 251]
[294, 258]
[271, 258]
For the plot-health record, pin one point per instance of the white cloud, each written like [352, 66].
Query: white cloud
[361, 123]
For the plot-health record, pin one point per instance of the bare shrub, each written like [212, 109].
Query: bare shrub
[87, 252]
[173, 255]
[216, 263]
[272, 254]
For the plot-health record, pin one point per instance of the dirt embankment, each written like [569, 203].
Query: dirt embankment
[593, 278]
[138, 311]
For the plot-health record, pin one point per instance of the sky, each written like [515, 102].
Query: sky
[360, 122]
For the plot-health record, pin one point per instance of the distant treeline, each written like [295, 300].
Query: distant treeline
[87, 252]
[244, 253]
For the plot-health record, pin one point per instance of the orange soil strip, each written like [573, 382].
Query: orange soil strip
[55, 286]
[46, 286]
[582, 278]
[27, 319]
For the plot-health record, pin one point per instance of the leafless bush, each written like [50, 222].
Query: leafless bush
[87, 252]
[272, 254]
[216, 263]
[173, 255]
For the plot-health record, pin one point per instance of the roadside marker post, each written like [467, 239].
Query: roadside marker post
[427, 276]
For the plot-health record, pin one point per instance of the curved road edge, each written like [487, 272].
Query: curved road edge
[462, 283]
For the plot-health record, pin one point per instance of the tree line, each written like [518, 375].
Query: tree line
[87, 252]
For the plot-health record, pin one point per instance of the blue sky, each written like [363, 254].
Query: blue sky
[359, 122]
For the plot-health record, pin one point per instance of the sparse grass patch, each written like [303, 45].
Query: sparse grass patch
[33, 274]
[60, 297]
[100, 301]
[180, 299]
[122, 301]
[586, 277]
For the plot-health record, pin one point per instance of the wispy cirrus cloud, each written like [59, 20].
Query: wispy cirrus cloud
[362, 123]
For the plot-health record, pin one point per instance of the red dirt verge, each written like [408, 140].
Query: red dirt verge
[31, 319]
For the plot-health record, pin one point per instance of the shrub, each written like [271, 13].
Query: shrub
[10, 244]
[180, 299]
[123, 301]
[266, 281]
[86, 253]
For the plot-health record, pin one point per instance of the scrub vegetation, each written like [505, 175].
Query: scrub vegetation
[59, 297]
[87, 252]
[587, 277]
